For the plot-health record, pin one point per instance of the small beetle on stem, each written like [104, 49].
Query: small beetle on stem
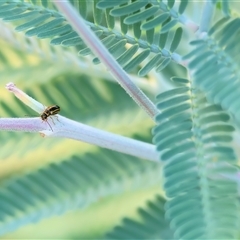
[48, 112]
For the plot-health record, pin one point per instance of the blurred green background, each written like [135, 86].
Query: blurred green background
[60, 188]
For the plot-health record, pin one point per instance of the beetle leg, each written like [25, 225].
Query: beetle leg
[48, 124]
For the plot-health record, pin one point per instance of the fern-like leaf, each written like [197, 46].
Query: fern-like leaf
[47, 23]
[215, 64]
[86, 177]
[151, 226]
[194, 138]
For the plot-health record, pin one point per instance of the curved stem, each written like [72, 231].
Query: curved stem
[59, 126]
[66, 128]
[91, 40]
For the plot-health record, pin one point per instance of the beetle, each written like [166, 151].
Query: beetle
[50, 111]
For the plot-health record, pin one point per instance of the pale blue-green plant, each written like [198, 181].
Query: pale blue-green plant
[184, 52]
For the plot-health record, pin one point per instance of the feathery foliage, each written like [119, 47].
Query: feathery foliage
[154, 44]
[45, 191]
[150, 225]
[195, 161]
[195, 132]
[215, 64]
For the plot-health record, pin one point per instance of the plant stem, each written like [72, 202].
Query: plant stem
[66, 128]
[81, 132]
[91, 40]
[207, 15]
[59, 126]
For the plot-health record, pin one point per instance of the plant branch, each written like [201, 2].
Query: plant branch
[192, 26]
[207, 15]
[78, 131]
[59, 126]
[91, 40]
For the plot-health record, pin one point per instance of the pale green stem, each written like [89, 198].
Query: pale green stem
[207, 15]
[92, 41]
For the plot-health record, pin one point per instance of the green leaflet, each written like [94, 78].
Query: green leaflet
[175, 120]
[150, 65]
[152, 223]
[56, 31]
[173, 111]
[137, 30]
[45, 3]
[65, 37]
[3, 2]
[217, 25]
[176, 39]
[169, 131]
[231, 30]
[140, 16]
[173, 101]
[225, 8]
[21, 16]
[150, 35]
[180, 80]
[97, 13]
[163, 64]
[186, 146]
[128, 54]
[172, 93]
[108, 4]
[163, 40]
[83, 8]
[169, 25]
[9, 6]
[45, 27]
[33, 22]
[127, 9]
[124, 27]
[171, 141]
[155, 21]
[214, 118]
[172, 168]
[137, 60]
[13, 12]
[171, 3]
[175, 179]
[107, 41]
[75, 41]
[118, 48]
[110, 20]
[183, 186]
[210, 109]
[218, 138]
[218, 128]
[182, 6]
[221, 150]
[197, 42]
[200, 59]
[197, 50]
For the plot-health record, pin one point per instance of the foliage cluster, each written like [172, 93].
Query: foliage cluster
[187, 60]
